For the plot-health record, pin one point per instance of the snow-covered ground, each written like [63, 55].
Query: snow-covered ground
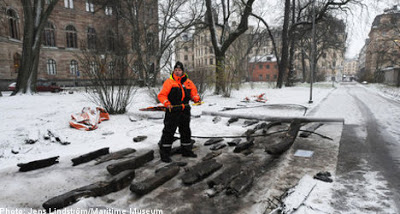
[27, 116]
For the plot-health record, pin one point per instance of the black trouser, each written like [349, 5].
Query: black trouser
[172, 121]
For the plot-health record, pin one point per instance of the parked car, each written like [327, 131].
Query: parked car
[40, 86]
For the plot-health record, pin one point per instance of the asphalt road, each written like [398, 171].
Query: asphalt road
[369, 143]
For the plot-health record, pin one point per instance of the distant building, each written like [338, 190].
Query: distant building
[263, 69]
[383, 48]
[350, 69]
[72, 25]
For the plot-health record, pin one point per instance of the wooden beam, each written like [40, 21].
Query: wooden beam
[148, 185]
[37, 164]
[90, 156]
[100, 188]
[132, 163]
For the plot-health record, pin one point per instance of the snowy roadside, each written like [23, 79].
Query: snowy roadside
[27, 116]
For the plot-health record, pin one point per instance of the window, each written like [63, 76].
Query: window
[111, 68]
[267, 76]
[260, 77]
[110, 41]
[94, 67]
[73, 67]
[108, 10]
[89, 6]
[69, 4]
[49, 35]
[275, 66]
[186, 48]
[51, 67]
[186, 57]
[71, 37]
[91, 38]
[267, 66]
[211, 61]
[260, 66]
[17, 62]
[275, 76]
[13, 24]
[211, 49]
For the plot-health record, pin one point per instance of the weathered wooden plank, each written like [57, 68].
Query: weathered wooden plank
[225, 177]
[133, 163]
[241, 184]
[200, 171]
[115, 155]
[213, 141]
[37, 164]
[177, 163]
[243, 146]
[234, 142]
[155, 181]
[211, 155]
[287, 140]
[90, 156]
[101, 188]
[218, 146]
[232, 120]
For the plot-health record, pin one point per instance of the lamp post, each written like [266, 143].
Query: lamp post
[312, 52]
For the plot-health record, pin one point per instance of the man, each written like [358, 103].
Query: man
[175, 95]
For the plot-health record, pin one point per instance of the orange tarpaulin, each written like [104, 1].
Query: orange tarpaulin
[88, 119]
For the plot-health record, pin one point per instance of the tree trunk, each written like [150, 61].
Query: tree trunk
[220, 73]
[285, 45]
[290, 76]
[35, 18]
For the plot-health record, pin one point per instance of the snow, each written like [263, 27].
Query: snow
[30, 116]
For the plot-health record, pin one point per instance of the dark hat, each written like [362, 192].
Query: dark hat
[179, 65]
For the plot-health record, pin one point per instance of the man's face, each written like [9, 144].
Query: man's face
[178, 72]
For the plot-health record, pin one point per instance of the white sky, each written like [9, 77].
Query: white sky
[358, 21]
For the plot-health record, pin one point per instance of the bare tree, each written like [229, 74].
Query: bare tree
[223, 41]
[112, 81]
[303, 18]
[330, 40]
[151, 40]
[36, 14]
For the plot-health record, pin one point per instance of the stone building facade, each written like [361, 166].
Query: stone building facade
[73, 24]
[383, 46]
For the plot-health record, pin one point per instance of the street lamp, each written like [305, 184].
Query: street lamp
[312, 51]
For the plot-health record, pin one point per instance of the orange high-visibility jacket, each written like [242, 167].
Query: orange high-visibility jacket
[178, 90]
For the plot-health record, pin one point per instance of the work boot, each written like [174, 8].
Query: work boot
[165, 154]
[187, 152]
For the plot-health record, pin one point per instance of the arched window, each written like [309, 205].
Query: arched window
[73, 67]
[49, 38]
[71, 37]
[51, 67]
[91, 38]
[110, 41]
[17, 62]
[13, 24]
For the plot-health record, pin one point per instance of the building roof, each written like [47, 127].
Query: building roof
[265, 58]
